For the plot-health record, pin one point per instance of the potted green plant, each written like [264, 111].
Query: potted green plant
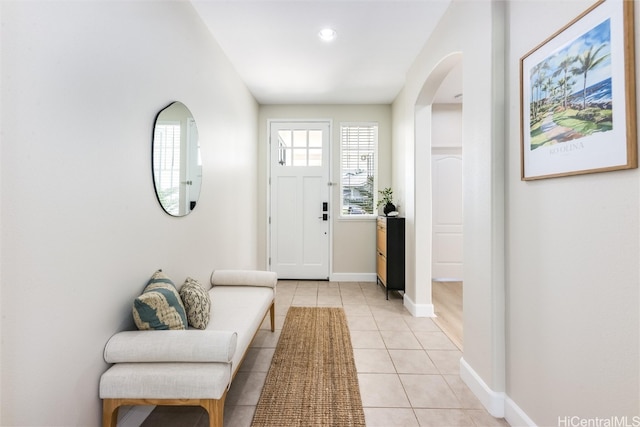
[386, 199]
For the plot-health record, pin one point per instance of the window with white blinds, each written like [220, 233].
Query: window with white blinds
[358, 168]
[166, 154]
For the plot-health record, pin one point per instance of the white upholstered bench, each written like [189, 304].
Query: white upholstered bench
[190, 367]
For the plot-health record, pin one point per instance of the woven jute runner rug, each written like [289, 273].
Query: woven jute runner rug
[312, 380]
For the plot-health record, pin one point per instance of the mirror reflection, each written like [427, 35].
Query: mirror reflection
[177, 165]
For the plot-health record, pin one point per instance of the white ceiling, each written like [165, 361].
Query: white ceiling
[275, 48]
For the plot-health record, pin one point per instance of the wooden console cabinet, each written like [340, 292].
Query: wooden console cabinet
[390, 253]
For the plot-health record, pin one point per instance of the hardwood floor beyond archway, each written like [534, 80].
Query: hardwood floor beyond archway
[447, 303]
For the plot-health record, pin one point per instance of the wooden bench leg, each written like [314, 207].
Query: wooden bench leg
[272, 312]
[110, 412]
[215, 409]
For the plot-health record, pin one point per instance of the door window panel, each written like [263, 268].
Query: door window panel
[300, 147]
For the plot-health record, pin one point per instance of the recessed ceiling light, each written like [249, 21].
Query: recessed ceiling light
[327, 34]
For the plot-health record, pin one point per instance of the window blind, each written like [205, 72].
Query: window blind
[358, 168]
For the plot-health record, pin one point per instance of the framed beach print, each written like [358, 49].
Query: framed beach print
[578, 111]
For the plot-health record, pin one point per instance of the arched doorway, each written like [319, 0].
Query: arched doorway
[438, 157]
[477, 29]
[447, 259]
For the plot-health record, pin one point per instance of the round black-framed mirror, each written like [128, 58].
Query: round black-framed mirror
[175, 160]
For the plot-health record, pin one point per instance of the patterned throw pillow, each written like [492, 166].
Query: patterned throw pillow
[197, 303]
[159, 306]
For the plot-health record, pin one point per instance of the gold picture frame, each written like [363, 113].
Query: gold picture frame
[578, 97]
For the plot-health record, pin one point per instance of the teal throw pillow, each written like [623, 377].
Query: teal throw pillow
[159, 306]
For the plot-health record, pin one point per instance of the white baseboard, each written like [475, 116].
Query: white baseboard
[134, 415]
[516, 416]
[353, 277]
[418, 310]
[493, 401]
[498, 404]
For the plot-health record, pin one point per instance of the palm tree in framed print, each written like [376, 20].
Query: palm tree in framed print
[587, 61]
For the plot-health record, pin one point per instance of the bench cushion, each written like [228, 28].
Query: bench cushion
[171, 346]
[165, 381]
[240, 309]
[244, 278]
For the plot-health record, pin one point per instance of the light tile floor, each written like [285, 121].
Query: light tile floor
[407, 367]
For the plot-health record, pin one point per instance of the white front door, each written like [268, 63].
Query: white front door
[446, 175]
[299, 200]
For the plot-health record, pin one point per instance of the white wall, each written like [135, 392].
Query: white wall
[354, 241]
[1, 210]
[551, 313]
[573, 256]
[447, 126]
[81, 227]
[468, 28]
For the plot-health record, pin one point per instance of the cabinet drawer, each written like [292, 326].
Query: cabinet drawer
[381, 238]
[382, 268]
